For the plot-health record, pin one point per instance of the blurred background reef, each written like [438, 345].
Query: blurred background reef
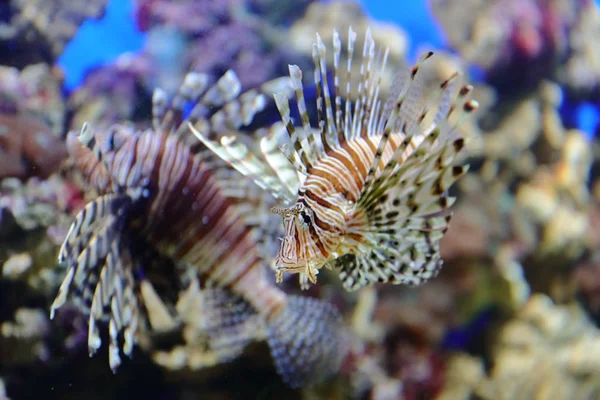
[515, 312]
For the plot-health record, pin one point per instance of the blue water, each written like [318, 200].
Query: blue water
[100, 42]
[414, 18]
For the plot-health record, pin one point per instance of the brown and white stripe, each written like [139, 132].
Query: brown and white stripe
[164, 195]
[374, 174]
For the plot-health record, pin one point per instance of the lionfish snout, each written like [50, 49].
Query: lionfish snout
[287, 257]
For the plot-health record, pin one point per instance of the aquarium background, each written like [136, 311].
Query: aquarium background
[102, 41]
[514, 313]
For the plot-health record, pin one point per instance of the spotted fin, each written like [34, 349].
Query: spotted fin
[408, 255]
[308, 341]
[405, 201]
[430, 147]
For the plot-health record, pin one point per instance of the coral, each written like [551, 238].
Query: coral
[31, 121]
[587, 271]
[22, 338]
[33, 31]
[201, 38]
[520, 42]
[33, 220]
[28, 148]
[111, 94]
[397, 331]
[546, 351]
[581, 72]
[33, 92]
[534, 173]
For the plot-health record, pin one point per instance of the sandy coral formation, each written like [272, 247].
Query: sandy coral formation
[546, 351]
[23, 337]
[534, 173]
[33, 31]
[520, 42]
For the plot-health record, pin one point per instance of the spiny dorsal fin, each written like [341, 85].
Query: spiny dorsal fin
[193, 86]
[402, 89]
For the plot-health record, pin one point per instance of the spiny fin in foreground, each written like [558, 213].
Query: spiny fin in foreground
[99, 274]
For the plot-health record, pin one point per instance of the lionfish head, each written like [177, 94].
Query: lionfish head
[301, 250]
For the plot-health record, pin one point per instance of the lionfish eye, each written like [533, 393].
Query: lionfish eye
[305, 218]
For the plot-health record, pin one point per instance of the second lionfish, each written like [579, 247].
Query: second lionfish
[164, 197]
[367, 189]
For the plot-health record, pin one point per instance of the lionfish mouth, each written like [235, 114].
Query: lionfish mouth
[287, 263]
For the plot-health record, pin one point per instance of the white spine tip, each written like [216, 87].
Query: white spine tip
[351, 34]
[86, 134]
[159, 96]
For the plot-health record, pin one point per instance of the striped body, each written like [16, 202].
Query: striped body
[330, 191]
[163, 198]
[369, 192]
[185, 213]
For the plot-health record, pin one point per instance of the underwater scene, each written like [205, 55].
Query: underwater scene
[300, 199]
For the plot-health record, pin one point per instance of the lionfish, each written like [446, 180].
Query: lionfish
[367, 189]
[162, 192]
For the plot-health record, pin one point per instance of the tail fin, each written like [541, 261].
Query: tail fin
[307, 341]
